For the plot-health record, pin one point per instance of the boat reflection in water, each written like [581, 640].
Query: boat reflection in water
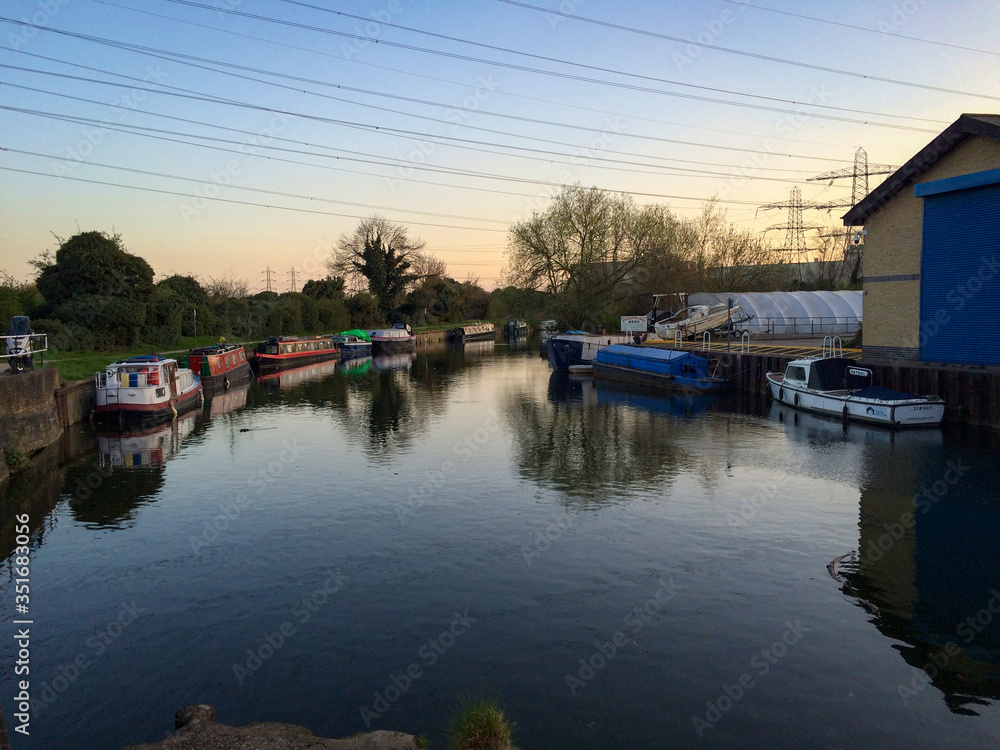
[230, 400]
[926, 568]
[397, 360]
[675, 405]
[144, 449]
[353, 366]
[284, 379]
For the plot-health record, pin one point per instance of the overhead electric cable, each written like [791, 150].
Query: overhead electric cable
[716, 47]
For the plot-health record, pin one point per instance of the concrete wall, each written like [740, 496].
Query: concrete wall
[29, 419]
[893, 248]
[76, 401]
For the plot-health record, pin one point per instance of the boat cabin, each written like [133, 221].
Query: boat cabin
[295, 345]
[829, 374]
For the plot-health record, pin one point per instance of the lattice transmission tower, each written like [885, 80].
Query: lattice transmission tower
[795, 229]
[266, 273]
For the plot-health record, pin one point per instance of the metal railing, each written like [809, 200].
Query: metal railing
[35, 347]
[803, 326]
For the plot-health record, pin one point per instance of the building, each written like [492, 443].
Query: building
[932, 251]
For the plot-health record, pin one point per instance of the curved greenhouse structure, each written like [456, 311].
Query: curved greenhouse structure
[794, 313]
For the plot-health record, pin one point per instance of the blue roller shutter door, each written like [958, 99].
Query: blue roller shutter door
[960, 277]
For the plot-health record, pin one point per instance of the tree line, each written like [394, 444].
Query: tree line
[588, 258]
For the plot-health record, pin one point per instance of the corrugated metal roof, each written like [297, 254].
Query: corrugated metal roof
[981, 125]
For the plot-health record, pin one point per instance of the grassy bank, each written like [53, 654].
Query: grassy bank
[79, 365]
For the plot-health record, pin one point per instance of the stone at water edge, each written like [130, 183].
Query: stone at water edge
[198, 730]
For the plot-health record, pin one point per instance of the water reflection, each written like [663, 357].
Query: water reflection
[588, 449]
[927, 568]
[228, 401]
[127, 473]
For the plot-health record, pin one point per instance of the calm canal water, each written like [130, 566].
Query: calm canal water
[353, 550]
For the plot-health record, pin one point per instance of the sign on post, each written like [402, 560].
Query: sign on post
[632, 323]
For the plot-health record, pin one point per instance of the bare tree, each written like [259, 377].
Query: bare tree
[227, 286]
[381, 253]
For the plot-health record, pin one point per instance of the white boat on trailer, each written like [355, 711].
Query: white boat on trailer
[839, 387]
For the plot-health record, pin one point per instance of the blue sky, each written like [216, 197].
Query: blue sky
[296, 129]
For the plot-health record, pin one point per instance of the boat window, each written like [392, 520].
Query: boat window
[795, 372]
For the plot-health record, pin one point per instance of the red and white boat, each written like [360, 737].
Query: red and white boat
[278, 353]
[219, 365]
[145, 390]
[398, 338]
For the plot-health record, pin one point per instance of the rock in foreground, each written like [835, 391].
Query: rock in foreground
[198, 730]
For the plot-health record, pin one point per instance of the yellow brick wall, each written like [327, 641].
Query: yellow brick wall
[893, 243]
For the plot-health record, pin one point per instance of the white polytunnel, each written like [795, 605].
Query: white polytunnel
[793, 313]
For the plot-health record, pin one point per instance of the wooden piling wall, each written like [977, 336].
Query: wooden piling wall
[971, 393]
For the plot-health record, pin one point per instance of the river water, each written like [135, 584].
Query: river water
[362, 549]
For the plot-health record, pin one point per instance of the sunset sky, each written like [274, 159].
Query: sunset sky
[224, 136]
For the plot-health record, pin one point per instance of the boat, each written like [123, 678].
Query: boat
[515, 327]
[219, 365]
[354, 343]
[398, 338]
[278, 353]
[670, 369]
[549, 328]
[475, 332]
[145, 390]
[837, 386]
[692, 320]
[579, 348]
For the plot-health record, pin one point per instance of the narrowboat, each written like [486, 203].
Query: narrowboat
[280, 352]
[219, 365]
[475, 332]
[355, 343]
[670, 369]
[398, 338]
[145, 390]
[839, 387]
[579, 348]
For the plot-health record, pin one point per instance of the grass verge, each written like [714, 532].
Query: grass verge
[479, 725]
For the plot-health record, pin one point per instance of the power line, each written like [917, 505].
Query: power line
[424, 76]
[568, 76]
[718, 48]
[232, 200]
[853, 27]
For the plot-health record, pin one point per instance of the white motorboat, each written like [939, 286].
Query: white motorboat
[695, 319]
[839, 387]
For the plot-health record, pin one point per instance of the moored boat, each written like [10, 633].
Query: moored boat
[839, 387]
[579, 348]
[515, 327]
[354, 343]
[670, 369]
[475, 332]
[145, 390]
[398, 338]
[278, 353]
[219, 365]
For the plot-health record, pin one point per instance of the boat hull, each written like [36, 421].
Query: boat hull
[219, 370]
[390, 345]
[151, 413]
[916, 412]
[663, 381]
[566, 350]
[275, 362]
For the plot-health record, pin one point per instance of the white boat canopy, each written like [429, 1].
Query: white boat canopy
[803, 313]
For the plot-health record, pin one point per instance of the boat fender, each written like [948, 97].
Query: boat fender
[225, 381]
[173, 409]
[796, 399]
[845, 412]
[781, 394]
